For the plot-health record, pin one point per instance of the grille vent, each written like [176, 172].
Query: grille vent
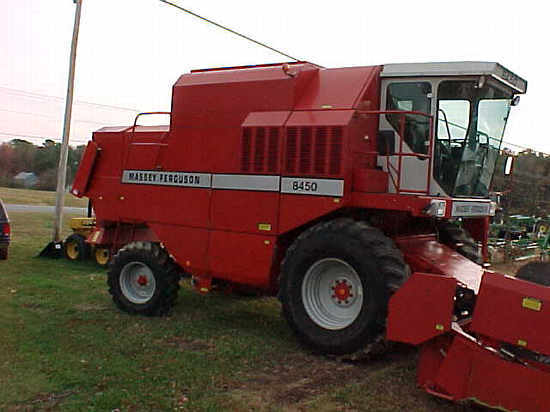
[273, 150]
[336, 151]
[260, 149]
[305, 149]
[245, 149]
[291, 149]
[320, 150]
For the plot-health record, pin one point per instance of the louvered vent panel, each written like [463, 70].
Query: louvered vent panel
[291, 149]
[259, 150]
[245, 149]
[273, 149]
[336, 151]
[305, 149]
[320, 159]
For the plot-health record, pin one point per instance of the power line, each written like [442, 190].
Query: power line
[40, 96]
[54, 118]
[228, 29]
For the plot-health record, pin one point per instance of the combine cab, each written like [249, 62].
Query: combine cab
[338, 190]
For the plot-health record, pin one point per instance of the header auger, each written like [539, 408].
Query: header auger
[339, 191]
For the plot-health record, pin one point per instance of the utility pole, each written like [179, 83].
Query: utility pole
[62, 167]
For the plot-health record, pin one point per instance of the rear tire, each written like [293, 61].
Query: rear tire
[143, 279]
[336, 280]
[460, 240]
[76, 248]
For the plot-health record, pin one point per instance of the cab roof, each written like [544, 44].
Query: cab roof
[496, 70]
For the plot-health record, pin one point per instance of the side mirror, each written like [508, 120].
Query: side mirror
[385, 142]
[515, 101]
[508, 165]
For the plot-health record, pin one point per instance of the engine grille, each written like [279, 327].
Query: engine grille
[314, 150]
[309, 150]
[260, 149]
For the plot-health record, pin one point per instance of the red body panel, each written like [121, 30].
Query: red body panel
[513, 311]
[297, 210]
[193, 257]
[341, 88]
[464, 370]
[431, 314]
[233, 254]
[80, 183]
[426, 254]
[245, 211]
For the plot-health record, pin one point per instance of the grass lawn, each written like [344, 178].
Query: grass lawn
[66, 347]
[37, 197]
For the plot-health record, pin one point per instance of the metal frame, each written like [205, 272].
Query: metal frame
[400, 154]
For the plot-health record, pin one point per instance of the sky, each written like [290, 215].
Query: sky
[130, 52]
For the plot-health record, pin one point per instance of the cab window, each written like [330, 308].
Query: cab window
[411, 96]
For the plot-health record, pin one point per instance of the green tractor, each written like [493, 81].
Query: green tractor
[520, 237]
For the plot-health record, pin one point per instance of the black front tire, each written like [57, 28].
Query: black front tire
[372, 256]
[159, 265]
[536, 272]
[460, 240]
[76, 248]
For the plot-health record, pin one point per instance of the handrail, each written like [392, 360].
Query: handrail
[145, 114]
[400, 154]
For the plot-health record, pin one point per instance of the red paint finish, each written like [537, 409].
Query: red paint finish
[415, 205]
[501, 314]
[429, 316]
[426, 254]
[466, 370]
[116, 236]
[241, 258]
[370, 180]
[188, 245]
[80, 183]
[298, 210]
[337, 88]
[164, 204]
[245, 211]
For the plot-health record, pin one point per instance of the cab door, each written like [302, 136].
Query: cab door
[407, 132]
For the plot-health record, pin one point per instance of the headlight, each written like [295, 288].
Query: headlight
[436, 208]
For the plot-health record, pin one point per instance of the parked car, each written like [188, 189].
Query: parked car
[4, 232]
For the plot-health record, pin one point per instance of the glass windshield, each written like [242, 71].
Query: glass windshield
[471, 122]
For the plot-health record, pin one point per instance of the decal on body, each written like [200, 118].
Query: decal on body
[265, 183]
[150, 177]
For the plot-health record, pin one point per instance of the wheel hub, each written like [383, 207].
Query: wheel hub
[332, 293]
[341, 292]
[137, 282]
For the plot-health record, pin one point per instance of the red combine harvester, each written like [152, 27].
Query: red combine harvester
[337, 190]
